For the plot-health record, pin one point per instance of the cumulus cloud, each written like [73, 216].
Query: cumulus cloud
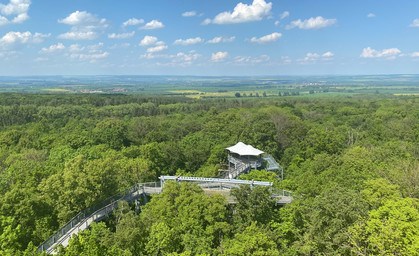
[284, 15]
[79, 35]
[371, 15]
[153, 44]
[314, 57]
[312, 23]
[180, 59]
[390, 53]
[242, 13]
[328, 54]
[90, 53]
[84, 26]
[189, 41]
[148, 40]
[187, 57]
[133, 22]
[415, 54]
[91, 57]
[220, 39]
[251, 60]
[13, 39]
[154, 24]
[121, 36]
[266, 39]
[219, 56]
[53, 48]
[189, 14]
[415, 23]
[17, 8]
[157, 48]
[84, 20]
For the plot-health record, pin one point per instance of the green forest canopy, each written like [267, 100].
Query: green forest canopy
[351, 162]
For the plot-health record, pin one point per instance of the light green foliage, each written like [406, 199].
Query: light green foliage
[342, 157]
[260, 175]
[253, 205]
[392, 229]
[252, 241]
[184, 218]
[92, 242]
[377, 192]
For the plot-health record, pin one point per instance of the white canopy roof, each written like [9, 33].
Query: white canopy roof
[245, 150]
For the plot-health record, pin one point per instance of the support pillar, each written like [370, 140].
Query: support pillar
[137, 207]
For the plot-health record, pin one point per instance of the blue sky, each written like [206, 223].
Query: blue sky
[200, 37]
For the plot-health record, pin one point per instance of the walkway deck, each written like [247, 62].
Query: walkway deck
[101, 211]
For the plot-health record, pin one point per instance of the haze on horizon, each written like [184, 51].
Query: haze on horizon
[215, 38]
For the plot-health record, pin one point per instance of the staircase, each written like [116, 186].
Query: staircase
[241, 168]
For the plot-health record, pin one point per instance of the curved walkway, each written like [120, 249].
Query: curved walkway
[102, 210]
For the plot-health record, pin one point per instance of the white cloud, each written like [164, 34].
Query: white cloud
[312, 23]
[189, 41]
[220, 39]
[180, 59]
[95, 48]
[189, 14]
[75, 48]
[79, 35]
[53, 48]
[266, 39]
[415, 23]
[90, 57]
[187, 57]
[284, 15]
[84, 20]
[19, 8]
[90, 53]
[14, 39]
[15, 7]
[286, 59]
[20, 18]
[206, 22]
[276, 23]
[84, 26]
[154, 24]
[121, 36]
[415, 54]
[119, 46]
[219, 56]
[328, 54]
[242, 13]
[251, 60]
[148, 40]
[157, 48]
[311, 58]
[133, 22]
[3, 21]
[390, 53]
[371, 15]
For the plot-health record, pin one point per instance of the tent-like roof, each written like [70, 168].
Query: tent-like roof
[245, 150]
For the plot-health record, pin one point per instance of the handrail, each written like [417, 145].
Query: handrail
[108, 205]
[86, 213]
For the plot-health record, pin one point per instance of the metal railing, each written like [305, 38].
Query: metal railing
[101, 210]
[108, 205]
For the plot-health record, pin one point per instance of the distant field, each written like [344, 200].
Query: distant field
[213, 87]
[56, 90]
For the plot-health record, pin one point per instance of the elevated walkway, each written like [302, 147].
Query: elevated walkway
[102, 210]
